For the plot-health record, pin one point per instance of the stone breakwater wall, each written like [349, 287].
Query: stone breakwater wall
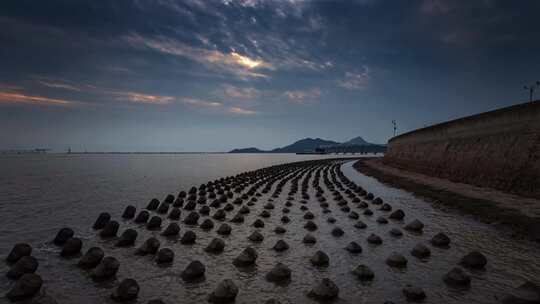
[498, 149]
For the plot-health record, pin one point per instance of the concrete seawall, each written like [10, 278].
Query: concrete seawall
[498, 149]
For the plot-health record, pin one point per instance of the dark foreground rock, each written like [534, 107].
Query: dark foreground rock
[360, 225]
[63, 235]
[91, 258]
[216, 246]
[207, 224]
[415, 226]
[258, 223]
[281, 245]
[192, 218]
[420, 251]
[396, 260]
[414, 294]
[26, 287]
[440, 240]
[102, 219]
[353, 247]
[246, 257]
[279, 273]
[106, 269]
[225, 292]
[18, 251]
[311, 226]
[154, 223]
[309, 239]
[150, 246]
[457, 277]
[172, 230]
[474, 259]
[363, 272]
[189, 237]
[163, 208]
[153, 204]
[142, 217]
[224, 229]
[72, 247]
[238, 218]
[126, 291]
[129, 212]
[26, 264]
[396, 232]
[374, 239]
[280, 230]
[175, 214]
[164, 256]
[324, 290]
[256, 237]
[110, 229]
[127, 238]
[320, 259]
[397, 215]
[337, 232]
[195, 270]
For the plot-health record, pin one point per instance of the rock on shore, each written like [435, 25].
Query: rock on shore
[26, 287]
[324, 290]
[225, 292]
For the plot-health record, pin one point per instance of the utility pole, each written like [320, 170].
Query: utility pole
[531, 89]
[395, 126]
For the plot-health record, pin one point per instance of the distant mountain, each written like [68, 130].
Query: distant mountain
[359, 141]
[248, 150]
[307, 145]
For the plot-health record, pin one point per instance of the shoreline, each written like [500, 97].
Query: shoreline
[517, 215]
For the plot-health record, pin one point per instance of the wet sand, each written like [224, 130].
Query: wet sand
[325, 199]
[517, 215]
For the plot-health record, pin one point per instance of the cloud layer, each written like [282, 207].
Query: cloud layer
[254, 68]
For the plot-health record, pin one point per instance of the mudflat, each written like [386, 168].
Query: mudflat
[508, 211]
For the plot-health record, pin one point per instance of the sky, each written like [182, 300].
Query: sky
[213, 75]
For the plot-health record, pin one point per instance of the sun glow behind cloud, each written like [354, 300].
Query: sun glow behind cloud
[232, 63]
[246, 61]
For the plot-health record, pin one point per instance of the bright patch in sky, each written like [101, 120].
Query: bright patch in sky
[246, 61]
